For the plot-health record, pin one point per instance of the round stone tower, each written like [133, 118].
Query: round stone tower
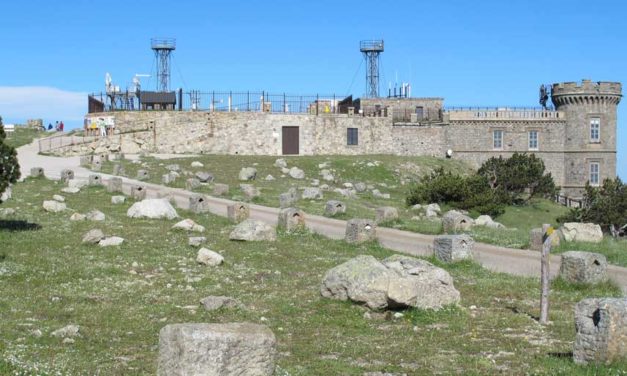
[589, 133]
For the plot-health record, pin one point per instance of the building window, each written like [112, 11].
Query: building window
[352, 137]
[595, 129]
[533, 140]
[497, 139]
[594, 173]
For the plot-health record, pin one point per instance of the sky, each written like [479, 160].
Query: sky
[472, 53]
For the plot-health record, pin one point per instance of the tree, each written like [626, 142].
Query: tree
[517, 179]
[605, 205]
[9, 167]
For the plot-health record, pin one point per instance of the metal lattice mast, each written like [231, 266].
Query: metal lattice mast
[371, 49]
[163, 48]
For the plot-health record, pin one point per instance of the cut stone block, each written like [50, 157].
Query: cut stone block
[198, 204]
[66, 175]
[601, 325]
[583, 267]
[238, 212]
[216, 349]
[386, 213]
[535, 239]
[95, 180]
[36, 172]
[334, 207]
[220, 189]
[114, 185]
[360, 230]
[451, 248]
[138, 192]
[191, 184]
[143, 175]
[96, 165]
[85, 160]
[291, 219]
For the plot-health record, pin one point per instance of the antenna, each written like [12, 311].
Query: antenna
[163, 48]
[371, 51]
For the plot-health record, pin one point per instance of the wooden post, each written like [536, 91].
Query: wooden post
[544, 273]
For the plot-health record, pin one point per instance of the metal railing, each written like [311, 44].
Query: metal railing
[515, 113]
[568, 201]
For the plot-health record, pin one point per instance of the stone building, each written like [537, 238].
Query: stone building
[577, 140]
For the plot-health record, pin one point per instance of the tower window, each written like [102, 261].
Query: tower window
[352, 136]
[594, 173]
[595, 129]
[533, 140]
[497, 139]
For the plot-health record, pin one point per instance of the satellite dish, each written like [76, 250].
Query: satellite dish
[449, 153]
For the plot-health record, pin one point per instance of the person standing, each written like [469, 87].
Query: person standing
[61, 125]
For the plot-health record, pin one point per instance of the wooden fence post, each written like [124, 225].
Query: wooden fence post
[544, 273]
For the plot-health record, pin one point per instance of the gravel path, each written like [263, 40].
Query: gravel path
[495, 258]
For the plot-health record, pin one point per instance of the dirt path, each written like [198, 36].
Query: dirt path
[495, 258]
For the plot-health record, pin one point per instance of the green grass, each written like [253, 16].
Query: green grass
[122, 296]
[22, 136]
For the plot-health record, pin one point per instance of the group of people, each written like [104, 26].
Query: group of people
[58, 126]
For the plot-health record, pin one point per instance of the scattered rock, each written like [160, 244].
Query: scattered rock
[280, 163]
[196, 241]
[77, 183]
[253, 230]
[58, 198]
[377, 194]
[197, 164]
[248, 173]
[67, 175]
[71, 190]
[582, 232]
[54, 206]
[78, 217]
[204, 177]
[386, 213]
[454, 221]
[270, 178]
[297, 173]
[95, 215]
[191, 184]
[487, 221]
[212, 303]
[93, 236]
[360, 187]
[345, 192]
[249, 191]
[288, 198]
[208, 257]
[111, 241]
[5, 212]
[173, 167]
[396, 282]
[152, 208]
[36, 172]
[312, 193]
[220, 189]
[216, 349]
[67, 331]
[188, 225]
[327, 175]
[118, 200]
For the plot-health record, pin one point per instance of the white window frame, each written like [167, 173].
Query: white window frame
[536, 139]
[595, 174]
[595, 129]
[500, 139]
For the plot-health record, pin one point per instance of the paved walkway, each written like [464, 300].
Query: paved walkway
[495, 258]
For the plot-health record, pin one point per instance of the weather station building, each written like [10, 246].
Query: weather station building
[576, 137]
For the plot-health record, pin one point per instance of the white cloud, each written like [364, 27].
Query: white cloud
[18, 103]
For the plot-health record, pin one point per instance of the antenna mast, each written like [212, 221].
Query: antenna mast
[371, 49]
[163, 48]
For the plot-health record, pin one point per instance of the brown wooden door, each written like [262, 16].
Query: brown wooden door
[290, 140]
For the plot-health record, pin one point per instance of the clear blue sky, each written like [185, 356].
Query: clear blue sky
[474, 53]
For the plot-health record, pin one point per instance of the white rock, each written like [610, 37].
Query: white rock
[93, 236]
[312, 193]
[152, 208]
[54, 206]
[188, 225]
[66, 331]
[78, 217]
[297, 173]
[208, 257]
[118, 199]
[58, 198]
[197, 164]
[582, 232]
[70, 189]
[77, 183]
[253, 230]
[196, 241]
[111, 241]
[95, 215]
[248, 173]
[281, 163]
[270, 178]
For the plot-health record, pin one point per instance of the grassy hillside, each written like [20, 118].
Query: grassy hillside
[122, 296]
[22, 136]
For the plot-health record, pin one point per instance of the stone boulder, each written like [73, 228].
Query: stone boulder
[253, 230]
[386, 213]
[191, 184]
[582, 232]
[327, 175]
[220, 189]
[312, 193]
[78, 217]
[396, 282]
[204, 177]
[296, 173]
[280, 163]
[212, 303]
[454, 221]
[54, 206]
[196, 241]
[288, 198]
[249, 191]
[58, 198]
[93, 236]
[583, 267]
[173, 167]
[208, 257]
[197, 164]
[115, 200]
[248, 173]
[360, 187]
[111, 241]
[188, 225]
[601, 326]
[36, 172]
[216, 349]
[153, 209]
[95, 215]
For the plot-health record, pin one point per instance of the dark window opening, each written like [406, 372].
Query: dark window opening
[352, 137]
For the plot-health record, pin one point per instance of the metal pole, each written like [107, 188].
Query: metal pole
[544, 273]
[230, 100]
[248, 101]
[317, 104]
[284, 108]
[213, 99]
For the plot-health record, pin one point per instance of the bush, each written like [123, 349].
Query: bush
[605, 205]
[9, 168]
[518, 179]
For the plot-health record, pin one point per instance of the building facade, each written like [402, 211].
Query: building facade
[577, 140]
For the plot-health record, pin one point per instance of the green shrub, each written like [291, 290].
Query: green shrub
[605, 205]
[9, 168]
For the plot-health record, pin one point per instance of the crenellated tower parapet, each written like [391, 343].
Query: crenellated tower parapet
[586, 93]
